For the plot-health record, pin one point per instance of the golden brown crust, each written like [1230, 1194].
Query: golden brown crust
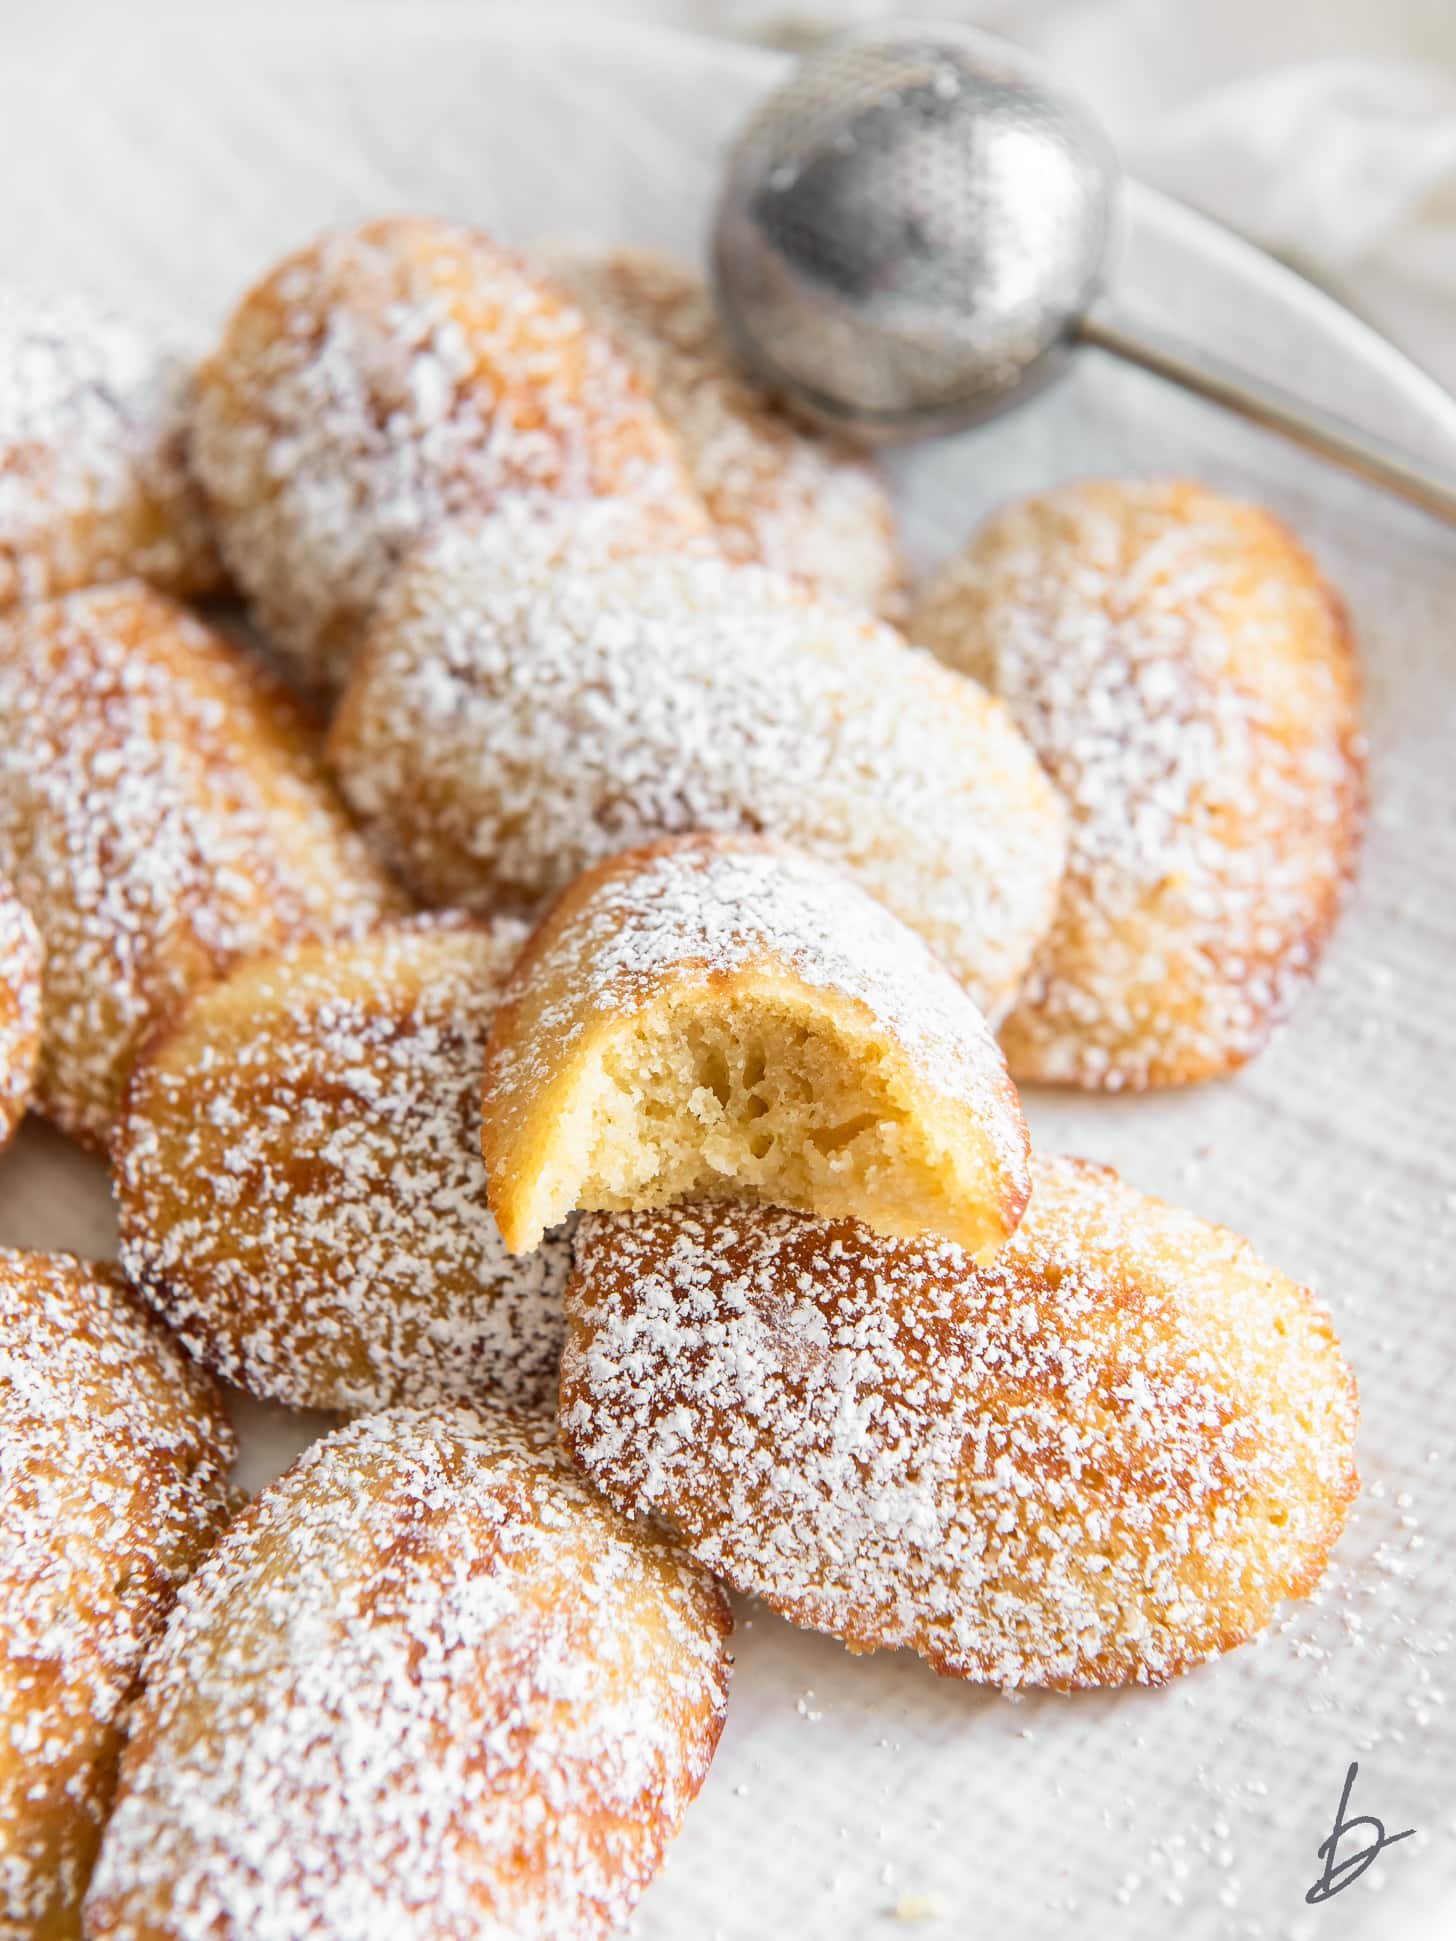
[409, 371]
[94, 481]
[21, 958]
[300, 1186]
[1101, 1458]
[719, 1013]
[429, 1683]
[162, 813]
[778, 495]
[114, 1469]
[1189, 681]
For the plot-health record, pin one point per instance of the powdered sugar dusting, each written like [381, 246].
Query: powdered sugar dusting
[706, 909]
[1100, 1458]
[93, 479]
[429, 1684]
[301, 1187]
[21, 956]
[778, 495]
[525, 709]
[114, 1453]
[381, 381]
[1186, 679]
[162, 812]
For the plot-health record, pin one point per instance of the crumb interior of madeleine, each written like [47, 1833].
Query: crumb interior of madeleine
[754, 1099]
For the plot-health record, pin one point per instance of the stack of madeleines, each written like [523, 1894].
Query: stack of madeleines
[539, 993]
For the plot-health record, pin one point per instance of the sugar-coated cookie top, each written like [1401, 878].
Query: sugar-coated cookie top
[93, 410]
[1099, 1457]
[383, 379]
[529, 704]
[301, 1186]
[162, 811]
[1187, 679]
[114, 1453]
[779, 495]
[429, 1683]
[21, 959]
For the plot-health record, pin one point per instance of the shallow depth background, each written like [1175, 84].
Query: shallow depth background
[1326, 132]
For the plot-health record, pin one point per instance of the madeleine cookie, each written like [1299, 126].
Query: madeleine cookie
[1103, 1457]
[429, 1684]
[300, 1182]
[382, 380]
[1188, 680]
[778, 495]
[524, 709]
[162, 812]
[114, 1452]
[93, 477]
[21, 958]
[714, 1013]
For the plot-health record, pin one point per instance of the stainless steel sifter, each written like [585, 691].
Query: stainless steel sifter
[911, 237]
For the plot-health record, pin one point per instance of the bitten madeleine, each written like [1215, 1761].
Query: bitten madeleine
[777, 494]
[429, 1684]
[21, 957]
[1188, 680]
[162, 812]
[524, 708]
[712, 1012]
[382, 380]
[114, 1453]
[94, 482]
[1103, 1457]
[300, 1182]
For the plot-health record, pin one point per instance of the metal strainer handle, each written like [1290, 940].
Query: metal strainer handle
[913, 232]
[1321, 432]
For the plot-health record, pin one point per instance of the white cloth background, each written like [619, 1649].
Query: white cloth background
[1324, 129]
